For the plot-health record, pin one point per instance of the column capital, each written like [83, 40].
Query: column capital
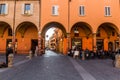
[13, 33]
[68, 35]
[39, 32]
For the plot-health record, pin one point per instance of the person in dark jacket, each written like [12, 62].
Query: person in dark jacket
[9, 50]
[113, 58]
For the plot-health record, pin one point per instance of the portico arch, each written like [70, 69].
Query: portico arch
[81, 35]
[107, 34]
[5, 35]
[26, 35]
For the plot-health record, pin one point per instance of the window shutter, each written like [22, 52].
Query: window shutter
[109, 11]
[80, 10]
[83, 13]
[105, 11]
[56, 10]
[6, 8]
[53, 10]
[31, 8]
[23, 5]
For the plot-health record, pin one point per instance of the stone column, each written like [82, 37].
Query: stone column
[39, 43]
[119, 40]
[13, 42]
[94, 42]
[68, 40]
[43, 46]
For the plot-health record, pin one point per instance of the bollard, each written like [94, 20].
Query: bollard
[117, 61]
[10, 60]
[36, 51]
[30, 54]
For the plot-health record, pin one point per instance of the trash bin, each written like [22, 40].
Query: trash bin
[10, 60]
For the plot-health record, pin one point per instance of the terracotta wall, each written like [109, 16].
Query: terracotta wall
[94, 16]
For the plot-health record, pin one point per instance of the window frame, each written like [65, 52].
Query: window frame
[82, 10]
[107, 11]
[55, 10]
[25, 11]
[5, 11]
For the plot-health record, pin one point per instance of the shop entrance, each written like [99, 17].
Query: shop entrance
[110, 46]
[100, 44]
[34, 43]
[77, 42]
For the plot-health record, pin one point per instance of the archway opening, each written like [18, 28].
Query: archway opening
[27, 38]
[54, 37]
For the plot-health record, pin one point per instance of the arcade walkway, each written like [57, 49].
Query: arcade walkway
[52, 66]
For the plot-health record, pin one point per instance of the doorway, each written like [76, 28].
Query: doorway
[110, 46]
[77, 42]
[34, 43]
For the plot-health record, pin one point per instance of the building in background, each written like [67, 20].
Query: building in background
[91, 24]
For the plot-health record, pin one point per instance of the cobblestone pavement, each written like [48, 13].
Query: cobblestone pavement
[52, 66]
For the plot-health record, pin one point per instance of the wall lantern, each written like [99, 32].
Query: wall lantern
[76, 30]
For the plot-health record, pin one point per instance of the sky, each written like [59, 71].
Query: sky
[49, 33]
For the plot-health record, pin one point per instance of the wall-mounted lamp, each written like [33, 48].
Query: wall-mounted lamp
[76, 30]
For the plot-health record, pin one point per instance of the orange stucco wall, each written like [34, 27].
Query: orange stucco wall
[68, 16]
[24, 44]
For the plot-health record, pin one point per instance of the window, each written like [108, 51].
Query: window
[55, 10]
[3, 9]
[107, 11]
[82, 10]
[27, 9]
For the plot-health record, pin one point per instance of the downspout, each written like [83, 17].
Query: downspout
[39, 29]
[13, 41]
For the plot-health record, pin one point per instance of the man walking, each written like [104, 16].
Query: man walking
[9, 50]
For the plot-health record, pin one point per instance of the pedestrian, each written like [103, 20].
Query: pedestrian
[83, 55]
[36, 51]
[87, 53]
[113, 58]
[76, 53]
[69, 52]
[9, 51]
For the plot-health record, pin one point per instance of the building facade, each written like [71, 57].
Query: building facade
[91, 24]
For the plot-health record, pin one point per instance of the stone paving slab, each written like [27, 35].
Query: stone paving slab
[52, 66]
[101, 69]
